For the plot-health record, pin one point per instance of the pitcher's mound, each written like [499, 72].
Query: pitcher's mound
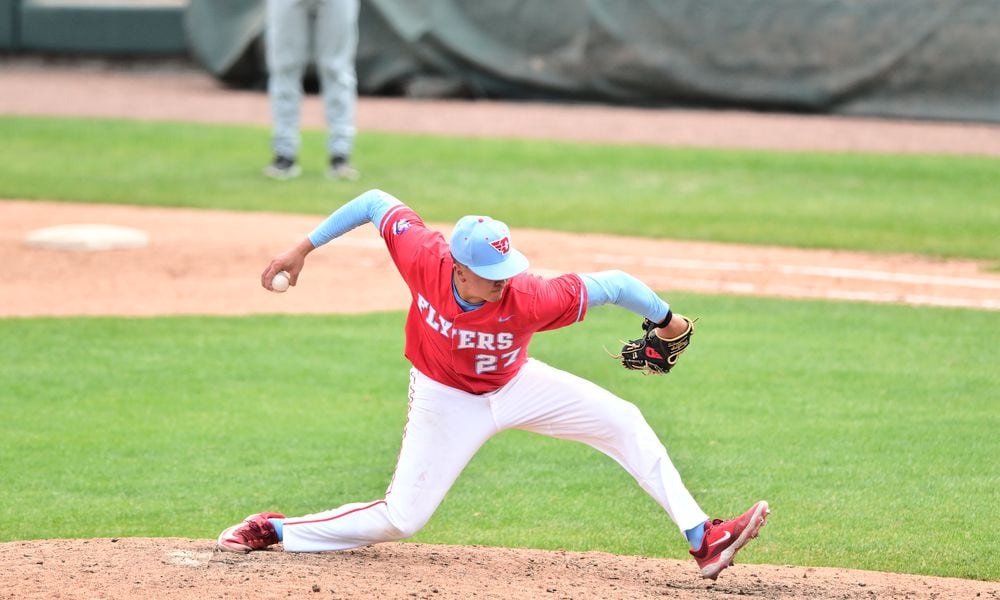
[176, 569]
[87, 237]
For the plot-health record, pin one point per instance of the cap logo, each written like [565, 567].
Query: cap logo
[502, 245]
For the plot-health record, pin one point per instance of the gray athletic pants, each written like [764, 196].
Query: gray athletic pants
[330, 29]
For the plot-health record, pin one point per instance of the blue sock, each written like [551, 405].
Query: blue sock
[694, 536]
[278, 525]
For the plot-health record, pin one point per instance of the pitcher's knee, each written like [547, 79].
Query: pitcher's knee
[392, 533]
[402, 526]
[627, 418]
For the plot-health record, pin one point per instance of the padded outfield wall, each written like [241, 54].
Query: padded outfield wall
[96, 27]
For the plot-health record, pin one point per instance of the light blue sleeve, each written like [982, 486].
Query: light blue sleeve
[369, 207]
[620, 288]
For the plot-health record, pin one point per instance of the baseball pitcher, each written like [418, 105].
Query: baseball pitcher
[474, 309]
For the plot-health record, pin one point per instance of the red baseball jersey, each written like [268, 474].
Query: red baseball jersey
[480, 350]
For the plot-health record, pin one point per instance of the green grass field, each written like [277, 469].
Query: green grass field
[870, 428]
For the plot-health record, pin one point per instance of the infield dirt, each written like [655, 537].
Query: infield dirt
[176, 278]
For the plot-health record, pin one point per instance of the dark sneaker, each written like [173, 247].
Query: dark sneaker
[283, 167]
[254, 533]
[340, 168]
[723, 539]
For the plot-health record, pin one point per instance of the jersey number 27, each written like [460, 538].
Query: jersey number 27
[488, 362]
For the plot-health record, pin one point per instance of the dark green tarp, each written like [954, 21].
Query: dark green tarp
[930, 59]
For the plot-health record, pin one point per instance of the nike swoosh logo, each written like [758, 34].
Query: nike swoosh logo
[505, 319]
[721, 539]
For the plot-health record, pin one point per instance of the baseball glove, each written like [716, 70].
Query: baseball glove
[652, 354]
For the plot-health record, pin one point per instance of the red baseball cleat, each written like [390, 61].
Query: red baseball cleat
[723, 539]
[254, 533]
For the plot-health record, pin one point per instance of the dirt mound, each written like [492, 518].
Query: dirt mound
[171, 568]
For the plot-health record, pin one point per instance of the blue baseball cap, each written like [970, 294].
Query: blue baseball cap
[483, 245]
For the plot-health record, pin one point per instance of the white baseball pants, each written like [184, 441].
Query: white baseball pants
[446, 427]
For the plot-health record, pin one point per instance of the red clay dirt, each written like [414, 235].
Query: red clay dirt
[174, 569]
[208, 262]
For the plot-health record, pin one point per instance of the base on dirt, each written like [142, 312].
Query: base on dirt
[87, 237]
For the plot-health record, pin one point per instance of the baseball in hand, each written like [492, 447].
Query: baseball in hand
[280, 282]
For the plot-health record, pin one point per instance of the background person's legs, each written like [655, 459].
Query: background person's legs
[287, 38]
[336, 36]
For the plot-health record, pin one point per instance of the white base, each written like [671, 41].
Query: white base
[87, 237]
